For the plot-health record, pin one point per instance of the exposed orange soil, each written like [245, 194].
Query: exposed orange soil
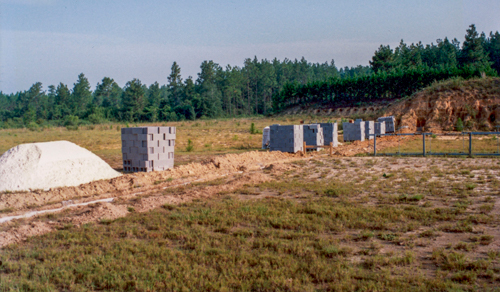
[437, 108]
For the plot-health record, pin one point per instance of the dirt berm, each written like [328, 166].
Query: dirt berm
[212, 167]
[131, 183]
[438, 107]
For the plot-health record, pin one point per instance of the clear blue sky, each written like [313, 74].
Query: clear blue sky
[53, 41]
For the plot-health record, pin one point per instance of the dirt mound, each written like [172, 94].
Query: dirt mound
[127, 184]
[437, 108]
[19, 234]
[49, 165]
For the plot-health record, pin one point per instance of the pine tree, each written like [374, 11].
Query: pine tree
[472, 53]
[81, 96]
[133, 100]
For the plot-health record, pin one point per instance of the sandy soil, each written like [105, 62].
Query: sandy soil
[146, 191]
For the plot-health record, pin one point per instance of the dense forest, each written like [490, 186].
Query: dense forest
[401, 72]
[259, 87]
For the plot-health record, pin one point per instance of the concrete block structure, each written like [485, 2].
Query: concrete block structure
[265, 137]
[379, 128]
[369, 130]
[313, 135]
[354, 131]
[148, 148]
[330, 134]
[286, 138]
[390, 125]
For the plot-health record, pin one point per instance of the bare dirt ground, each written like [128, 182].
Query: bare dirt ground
[140, 190]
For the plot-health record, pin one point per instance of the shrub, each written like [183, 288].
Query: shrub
[459, 125]
[190, 146]
[95, 119]
[32, 126]
[71, 122]
[254, 130]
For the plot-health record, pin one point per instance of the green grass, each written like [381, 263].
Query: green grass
[323, 224]
[221, 244]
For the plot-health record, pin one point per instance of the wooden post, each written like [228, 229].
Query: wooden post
[331, 148]
[305, 148]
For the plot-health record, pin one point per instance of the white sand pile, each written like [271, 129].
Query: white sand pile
[50, 165]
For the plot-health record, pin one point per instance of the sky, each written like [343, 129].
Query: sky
[53, 41]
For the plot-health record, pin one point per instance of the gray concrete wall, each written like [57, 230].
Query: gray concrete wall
[390, 125]
[354, 131]
[288, 138]
[313, 135]
[148, 148]
[369, 130]
[330, 133]
[379, 128]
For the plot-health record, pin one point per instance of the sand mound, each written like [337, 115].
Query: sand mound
[476, 102]
[50, 165]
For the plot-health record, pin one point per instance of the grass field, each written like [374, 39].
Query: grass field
[321, 224]
[209, 137]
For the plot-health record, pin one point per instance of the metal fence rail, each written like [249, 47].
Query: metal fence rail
[424, 151]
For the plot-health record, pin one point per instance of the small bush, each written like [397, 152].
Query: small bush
[414, 198]
[190, 146]
[484, 239]
[32, 126]
[95, 119]
[388, 175]
[459, 126]
[254, 130]
[71, 122]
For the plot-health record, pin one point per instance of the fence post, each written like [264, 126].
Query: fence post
[423, 139]
[375, 145]
[304, 148]
[470, 144]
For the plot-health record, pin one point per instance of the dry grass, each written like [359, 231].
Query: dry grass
[209, 137]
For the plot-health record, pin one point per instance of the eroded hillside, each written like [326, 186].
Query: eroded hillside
[438, 107]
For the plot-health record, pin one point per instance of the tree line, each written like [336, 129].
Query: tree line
[216, 92]
[401, 72]
[259, 87]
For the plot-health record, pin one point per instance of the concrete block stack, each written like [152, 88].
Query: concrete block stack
[265, 137]
[330, 133]
[369, 129]
[148, 148]
[379, 128]
[313, 135]
[354, 131]
[286, 138]
[390, 126]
